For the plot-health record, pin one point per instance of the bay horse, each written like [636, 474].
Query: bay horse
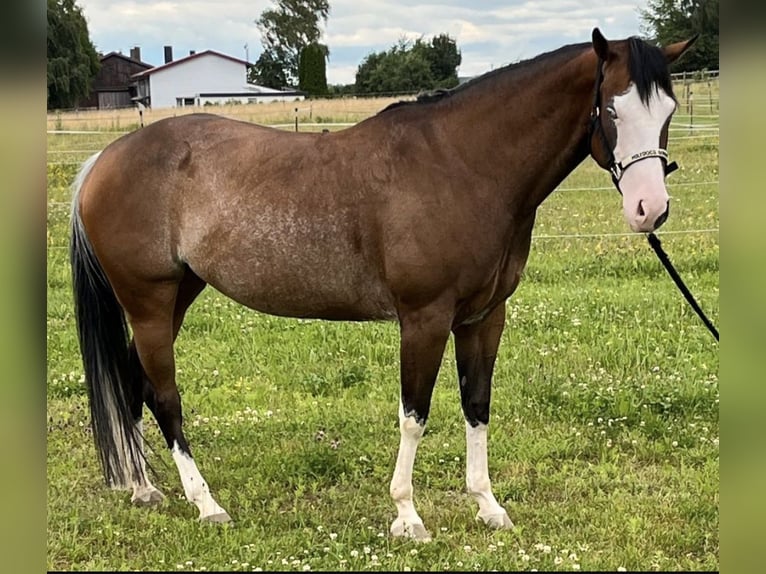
[422, 213]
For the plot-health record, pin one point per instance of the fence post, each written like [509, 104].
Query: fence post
[691, 112]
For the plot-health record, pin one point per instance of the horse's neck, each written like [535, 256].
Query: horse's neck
[528, 131]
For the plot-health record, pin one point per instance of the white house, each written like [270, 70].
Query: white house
[200, 78]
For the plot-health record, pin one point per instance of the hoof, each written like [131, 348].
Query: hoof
[415, 530]
[498, 521]
[221, 517]
[148, 498]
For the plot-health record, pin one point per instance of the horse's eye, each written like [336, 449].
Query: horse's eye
[612, 112]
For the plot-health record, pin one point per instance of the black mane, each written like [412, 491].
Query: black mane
[648, 68]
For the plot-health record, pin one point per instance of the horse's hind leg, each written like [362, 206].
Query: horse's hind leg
[144, 492]
[137, 479]
[155, 312]
[475, 349]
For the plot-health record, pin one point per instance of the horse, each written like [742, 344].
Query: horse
[422, 213]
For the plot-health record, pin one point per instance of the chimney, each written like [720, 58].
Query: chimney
[135, 53]
[192, 52]
[168, 54]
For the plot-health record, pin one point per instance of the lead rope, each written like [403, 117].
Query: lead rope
[654, 241]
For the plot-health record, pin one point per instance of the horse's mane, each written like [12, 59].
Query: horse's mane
[647, 65]
[648, 68]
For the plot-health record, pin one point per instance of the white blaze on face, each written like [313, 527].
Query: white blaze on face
[645, 198]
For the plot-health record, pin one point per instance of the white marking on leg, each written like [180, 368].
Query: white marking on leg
[407, 522]
[477, 478]
[124, 469]
[144, 492]
[195, 487]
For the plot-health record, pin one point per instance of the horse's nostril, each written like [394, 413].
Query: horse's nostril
[641, 212]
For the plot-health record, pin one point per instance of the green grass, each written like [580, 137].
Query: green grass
[603, 439]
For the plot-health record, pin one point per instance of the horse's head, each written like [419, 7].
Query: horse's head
[632, 106]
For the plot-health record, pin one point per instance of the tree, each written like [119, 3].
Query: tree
[288, 28]
[668, 21]
[72, 59]
[267, 71]
[410, 67]
[312, 72]
[444, 58]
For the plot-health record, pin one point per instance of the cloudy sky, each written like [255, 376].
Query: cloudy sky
[489, 33]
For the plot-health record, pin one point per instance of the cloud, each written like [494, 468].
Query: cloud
[490, 33]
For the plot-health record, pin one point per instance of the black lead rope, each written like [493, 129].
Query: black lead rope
[654, 241]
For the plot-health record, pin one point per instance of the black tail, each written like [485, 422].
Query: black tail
[103, 337]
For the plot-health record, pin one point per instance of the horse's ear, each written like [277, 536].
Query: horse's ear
[600, 44]
[675, 51]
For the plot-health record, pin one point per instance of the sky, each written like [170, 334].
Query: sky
[489, 33]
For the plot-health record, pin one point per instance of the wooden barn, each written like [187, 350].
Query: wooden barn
[114, 86]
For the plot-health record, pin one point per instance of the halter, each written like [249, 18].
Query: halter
[617, 168]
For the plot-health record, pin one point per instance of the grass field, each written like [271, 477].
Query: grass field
[604, 430]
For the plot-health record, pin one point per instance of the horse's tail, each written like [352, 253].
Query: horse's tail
[103, 337]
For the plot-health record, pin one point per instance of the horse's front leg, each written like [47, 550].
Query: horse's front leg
[424, 334]
[475, 349]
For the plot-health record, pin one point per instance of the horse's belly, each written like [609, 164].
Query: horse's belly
[323, 291]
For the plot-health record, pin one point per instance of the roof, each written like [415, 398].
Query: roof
[253, 94]
[124, 57]
[189, 58]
